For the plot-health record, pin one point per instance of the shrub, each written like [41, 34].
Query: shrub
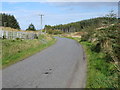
[12, 40]
[55, 32]
[35, 36]
[96, 48]
[17, 38]
[108, 57]
[85, 38]
[4, 37]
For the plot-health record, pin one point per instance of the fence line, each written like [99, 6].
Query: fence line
[17, 34]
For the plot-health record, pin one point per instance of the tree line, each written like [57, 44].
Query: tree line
[8, 20]
[81, 25]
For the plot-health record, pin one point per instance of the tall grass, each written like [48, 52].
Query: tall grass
[100, 74]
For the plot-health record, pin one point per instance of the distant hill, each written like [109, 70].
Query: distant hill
[84, 24]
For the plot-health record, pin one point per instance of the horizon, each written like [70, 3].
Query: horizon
[56, 13]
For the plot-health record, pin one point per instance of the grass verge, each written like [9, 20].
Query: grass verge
[17, 50]
[100, 73]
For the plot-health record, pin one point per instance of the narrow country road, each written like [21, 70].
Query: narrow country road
[62, 65]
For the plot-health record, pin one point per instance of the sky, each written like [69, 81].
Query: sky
[56, 13]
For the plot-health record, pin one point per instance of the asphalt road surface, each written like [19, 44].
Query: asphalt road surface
[62, 65]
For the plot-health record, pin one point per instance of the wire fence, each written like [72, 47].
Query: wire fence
[18, 35]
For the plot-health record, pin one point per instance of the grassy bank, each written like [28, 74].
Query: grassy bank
[100, 73]
[16, 50]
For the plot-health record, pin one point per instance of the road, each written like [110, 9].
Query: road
[62, 65]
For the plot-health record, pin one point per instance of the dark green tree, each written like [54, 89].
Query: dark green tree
[31, 27]
[9, 21]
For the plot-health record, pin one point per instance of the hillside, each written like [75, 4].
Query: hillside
[108, 38]
[105, 48]
[83, 25]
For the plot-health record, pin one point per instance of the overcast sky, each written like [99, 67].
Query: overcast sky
[56, 12]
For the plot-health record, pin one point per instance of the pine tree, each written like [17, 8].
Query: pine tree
[31, 28]
[9, 21]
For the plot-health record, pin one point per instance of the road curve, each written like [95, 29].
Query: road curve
[60, 66]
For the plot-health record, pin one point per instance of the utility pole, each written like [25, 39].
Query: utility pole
[41, 15]
[119, 12]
